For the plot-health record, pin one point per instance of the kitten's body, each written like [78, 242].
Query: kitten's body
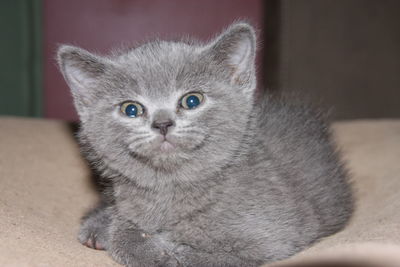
[250, 183]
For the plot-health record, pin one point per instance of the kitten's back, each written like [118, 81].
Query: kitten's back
[300, 143]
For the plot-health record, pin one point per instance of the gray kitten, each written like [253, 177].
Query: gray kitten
[201, 173]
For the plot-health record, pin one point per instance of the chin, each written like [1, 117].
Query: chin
[162, 155]
[168, 160]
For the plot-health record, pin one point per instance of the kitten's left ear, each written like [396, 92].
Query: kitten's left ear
[235, 51]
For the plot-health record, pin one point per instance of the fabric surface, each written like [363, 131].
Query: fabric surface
[45, 188]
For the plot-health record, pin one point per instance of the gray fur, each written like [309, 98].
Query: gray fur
[250, 180]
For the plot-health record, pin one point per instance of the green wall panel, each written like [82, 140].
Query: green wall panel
[20, 58]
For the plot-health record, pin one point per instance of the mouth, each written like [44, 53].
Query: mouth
[166, 145]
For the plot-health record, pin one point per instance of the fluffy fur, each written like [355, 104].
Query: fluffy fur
[246, 181]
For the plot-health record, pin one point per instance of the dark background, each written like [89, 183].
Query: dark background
[343, 54]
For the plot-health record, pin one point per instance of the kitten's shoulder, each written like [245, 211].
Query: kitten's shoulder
[284, 116]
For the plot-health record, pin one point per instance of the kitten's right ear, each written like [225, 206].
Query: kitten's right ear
[82, 71]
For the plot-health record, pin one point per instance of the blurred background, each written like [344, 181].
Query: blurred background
[343, 54]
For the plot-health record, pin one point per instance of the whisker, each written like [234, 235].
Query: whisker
[189, 132]
[187, 127]
[140, 138]
[140, 132]
[137, 146]
[139, 135]
[195, 135]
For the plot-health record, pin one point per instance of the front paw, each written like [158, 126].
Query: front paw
[94, 229]
[135, 248]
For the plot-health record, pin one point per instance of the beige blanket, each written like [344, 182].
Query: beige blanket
[45, 189]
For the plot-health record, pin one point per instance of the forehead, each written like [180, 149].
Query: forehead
[160, 69]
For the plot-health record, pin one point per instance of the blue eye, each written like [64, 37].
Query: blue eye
[191, 100]
[132, 109]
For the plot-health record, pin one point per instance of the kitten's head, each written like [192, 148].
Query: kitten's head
[165, 103]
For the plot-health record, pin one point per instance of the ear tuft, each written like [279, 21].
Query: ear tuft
[78, 65]
[235, 50]
[81, 71]
[238, 44]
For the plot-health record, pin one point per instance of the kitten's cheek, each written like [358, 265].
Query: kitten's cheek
[187, 143]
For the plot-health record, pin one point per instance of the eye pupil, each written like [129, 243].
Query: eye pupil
[192, 101]
[131, 110]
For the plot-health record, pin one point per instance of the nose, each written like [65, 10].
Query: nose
[162, 126]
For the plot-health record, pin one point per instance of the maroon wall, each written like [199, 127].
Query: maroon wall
[99, 25]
